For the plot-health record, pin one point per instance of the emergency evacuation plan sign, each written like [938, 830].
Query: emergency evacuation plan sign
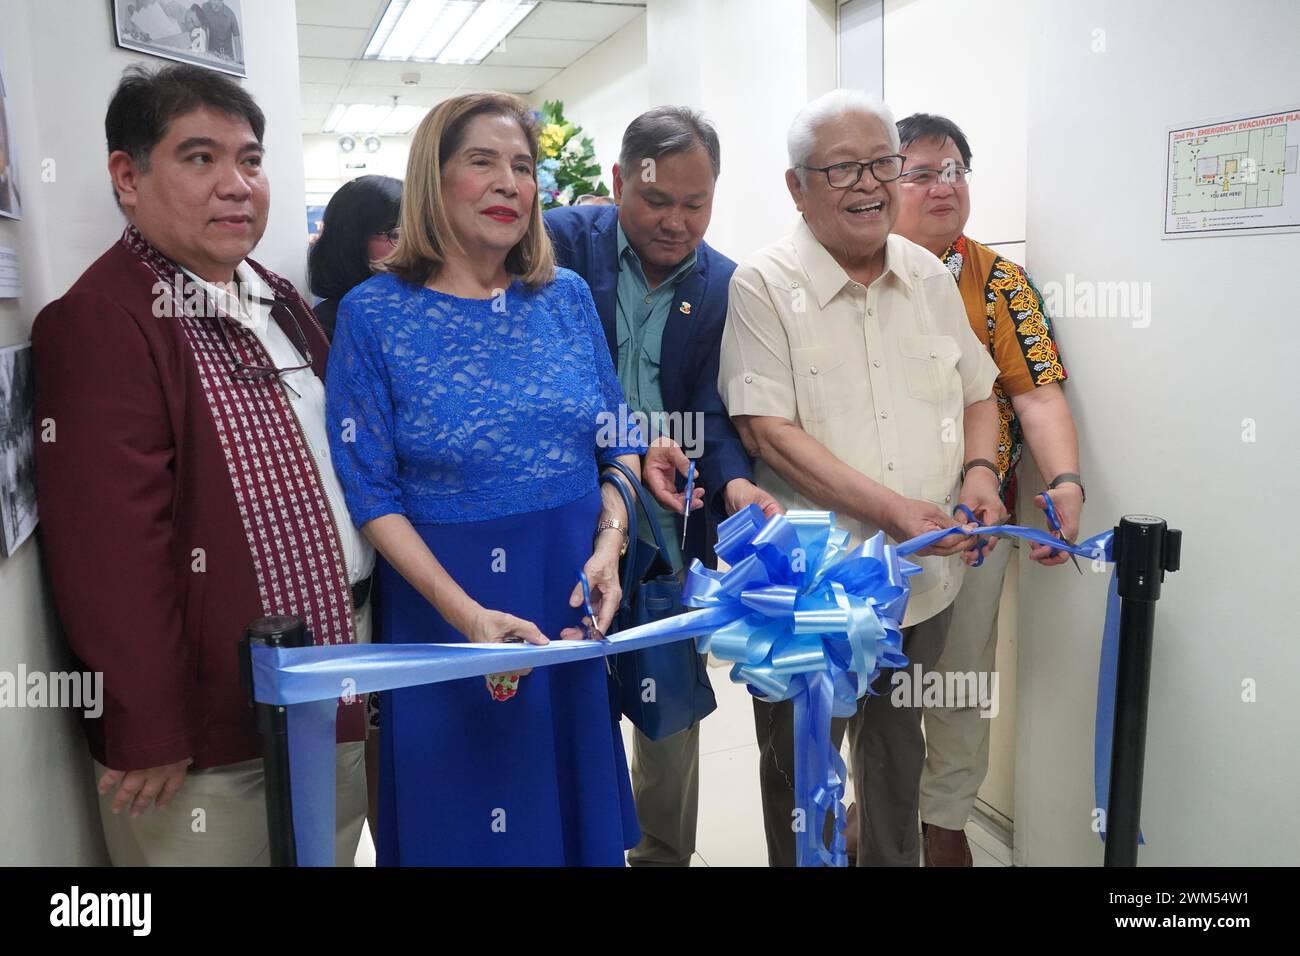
[1236, 177]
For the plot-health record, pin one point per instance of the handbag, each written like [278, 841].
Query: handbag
[665, 689]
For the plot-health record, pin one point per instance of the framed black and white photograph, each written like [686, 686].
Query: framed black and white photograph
[205, 32]
[10, 201]
[17, 448]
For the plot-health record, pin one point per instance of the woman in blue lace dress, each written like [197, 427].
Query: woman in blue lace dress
[468, 386]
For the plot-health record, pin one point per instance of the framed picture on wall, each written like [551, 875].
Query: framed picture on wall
[204, 32]
[10, 203]
[17, 448]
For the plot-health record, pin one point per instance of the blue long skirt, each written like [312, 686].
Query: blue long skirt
[537, 780]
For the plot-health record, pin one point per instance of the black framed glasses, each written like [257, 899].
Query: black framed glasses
[845, 175]
[393, 235]
[924, 178]
[241, 371]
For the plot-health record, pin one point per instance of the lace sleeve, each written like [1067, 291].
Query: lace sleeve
[359, 410]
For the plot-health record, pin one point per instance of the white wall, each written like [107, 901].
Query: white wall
[1161, 413]
[604, 91]
[966, 59]
[58, 91]
[750, 65]
[326, 167]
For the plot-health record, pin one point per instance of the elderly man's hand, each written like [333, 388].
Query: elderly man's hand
[141, 789]
[741, 492]
[980, 493]
[664, 460]
[910, 517]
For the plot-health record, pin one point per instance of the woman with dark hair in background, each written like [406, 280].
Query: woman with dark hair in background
[359, 229]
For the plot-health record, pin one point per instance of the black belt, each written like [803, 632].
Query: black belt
[361, 593]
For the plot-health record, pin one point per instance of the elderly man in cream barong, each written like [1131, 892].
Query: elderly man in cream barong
[851, 372]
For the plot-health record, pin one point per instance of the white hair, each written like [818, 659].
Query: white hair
[800, 139]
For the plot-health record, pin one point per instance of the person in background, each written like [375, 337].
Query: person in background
[359, 229]
[190, 489]
[661, 292]
[1007, 314]
[853, 377]
[467, 385]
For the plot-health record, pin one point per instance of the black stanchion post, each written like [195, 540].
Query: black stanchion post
[273, 725]
[1144, 549]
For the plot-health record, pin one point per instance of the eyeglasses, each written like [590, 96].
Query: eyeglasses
[242, 371]
[392, 235]
[955, 176]
[844, 175]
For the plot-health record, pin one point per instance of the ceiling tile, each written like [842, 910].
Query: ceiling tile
[315, 69]
[407, 95]
[363, 14]
[342, 42]
[558, 20]
[317, 93]
[525, 51]
[515, 79]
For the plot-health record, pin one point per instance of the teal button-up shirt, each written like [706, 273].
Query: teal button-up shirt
[642, 314]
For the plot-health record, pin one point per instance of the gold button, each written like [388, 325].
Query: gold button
[947, 499]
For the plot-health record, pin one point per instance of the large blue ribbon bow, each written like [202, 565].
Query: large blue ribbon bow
[813, 623]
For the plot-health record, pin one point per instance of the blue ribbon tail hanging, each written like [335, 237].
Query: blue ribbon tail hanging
[312, 768]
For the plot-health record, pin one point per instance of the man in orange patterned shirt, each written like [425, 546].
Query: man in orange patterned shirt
[1006, 313]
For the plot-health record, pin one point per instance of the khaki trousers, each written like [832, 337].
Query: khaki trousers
[957, 737]
[887, 753]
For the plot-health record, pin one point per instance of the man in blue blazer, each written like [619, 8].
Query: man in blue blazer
[661, 293]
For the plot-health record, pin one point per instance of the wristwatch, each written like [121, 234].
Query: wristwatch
[1068, 477]
[607, 523]
[980, 463]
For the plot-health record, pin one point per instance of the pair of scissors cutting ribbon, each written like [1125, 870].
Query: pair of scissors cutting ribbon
[980, 543]
[1054, 522]
[593, 632]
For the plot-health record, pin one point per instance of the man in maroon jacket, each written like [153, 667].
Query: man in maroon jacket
[186, 488]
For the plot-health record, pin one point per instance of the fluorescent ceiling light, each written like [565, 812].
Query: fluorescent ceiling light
[444, 31]
[367, 118]
[484, 30]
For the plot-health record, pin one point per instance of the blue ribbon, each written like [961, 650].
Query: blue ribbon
[800, 617]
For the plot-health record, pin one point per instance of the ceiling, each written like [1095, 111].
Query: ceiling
[332, 36]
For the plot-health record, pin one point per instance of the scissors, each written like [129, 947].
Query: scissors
[1054, 522]
[593, 632]
[980, 542]
[690, 490]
